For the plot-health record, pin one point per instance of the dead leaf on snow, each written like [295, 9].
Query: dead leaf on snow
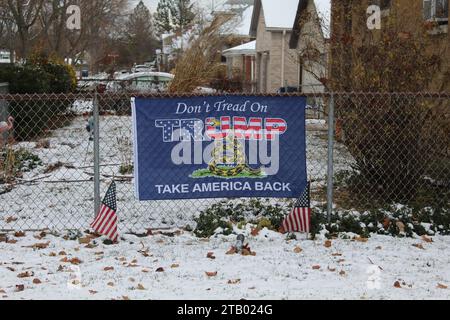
[12, 241]
[140, 287]
[397, 284]
[84, 240]
[131, 265]
[125, 298]
[19, 287]
[40, 235]
[26, 274]
[160, 269]
[232, 250]
[316, 267]
[74, 261]
[418, 246]
[93, 292]
[210, 255]
[211, 274]
[401, 226]
[41, 245]
[426, 239]
[337, 254]
[342, 273]
[386, 223]
[10, 219]
[145, 270]
[37, 281]
[255, 232]
[235, 281]
[108, 268]
[298, 249]
[441, 286]
[19, 234]
[361, 239]
[331, 269]
[327, 244]
[111, 284]
[175, 265]
[246, 251]
[52, 254]
[379, 248]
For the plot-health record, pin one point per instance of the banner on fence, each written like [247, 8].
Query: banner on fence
[219, 147]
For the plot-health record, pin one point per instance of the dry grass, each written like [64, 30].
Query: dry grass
[199, 64]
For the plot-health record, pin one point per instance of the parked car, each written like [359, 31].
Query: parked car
[141, 82]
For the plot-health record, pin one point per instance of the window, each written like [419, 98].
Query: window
[436, 10]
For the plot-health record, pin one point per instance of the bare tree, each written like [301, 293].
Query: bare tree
[25, 14]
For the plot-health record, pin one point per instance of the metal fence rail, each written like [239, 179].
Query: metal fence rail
[381, 148]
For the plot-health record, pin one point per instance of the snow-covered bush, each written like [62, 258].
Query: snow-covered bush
[395, 220]
[39, 75]
[261, 213]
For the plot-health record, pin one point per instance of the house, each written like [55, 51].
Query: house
[5, 57]
[238, 49]
[271, 25]
[310, 40]
[409, 17]
[241, 64]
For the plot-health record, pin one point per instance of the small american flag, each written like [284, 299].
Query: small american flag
[299, 220]
[106, 221]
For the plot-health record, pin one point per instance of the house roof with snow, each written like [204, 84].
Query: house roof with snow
[248, 48]
[278, 15]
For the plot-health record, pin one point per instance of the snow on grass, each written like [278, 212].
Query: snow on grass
[345, 270]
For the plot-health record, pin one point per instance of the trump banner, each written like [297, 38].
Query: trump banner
[219, 147]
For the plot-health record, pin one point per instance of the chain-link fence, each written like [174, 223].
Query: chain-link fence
[388, 148]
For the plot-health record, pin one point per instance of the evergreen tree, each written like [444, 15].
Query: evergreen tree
[174, 15]
[184, 15]
[140, 35]
[163, 17]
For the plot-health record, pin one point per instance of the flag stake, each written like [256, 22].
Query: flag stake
[330, 159]
[96, 155]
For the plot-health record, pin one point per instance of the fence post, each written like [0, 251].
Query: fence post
[330, 171]
[96, 155]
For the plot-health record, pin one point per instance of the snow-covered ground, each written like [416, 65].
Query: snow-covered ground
[62, 198]
[381, 268]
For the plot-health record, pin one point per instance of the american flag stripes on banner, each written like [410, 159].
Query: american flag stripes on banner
[106, 221]
[299, 220]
